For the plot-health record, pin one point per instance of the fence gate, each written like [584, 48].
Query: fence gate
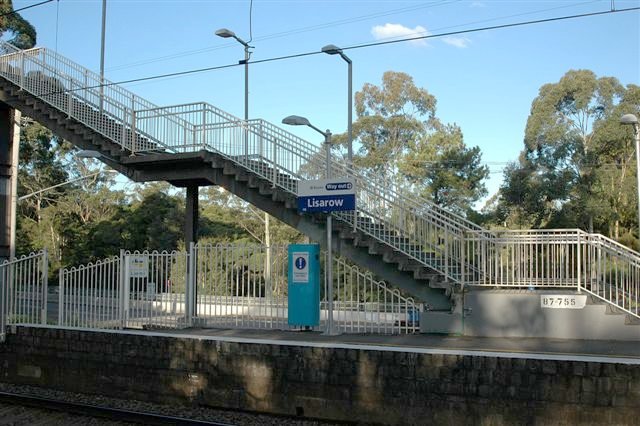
[154, 290]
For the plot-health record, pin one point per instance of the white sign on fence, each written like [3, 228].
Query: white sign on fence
[563, 301]
[138, 266]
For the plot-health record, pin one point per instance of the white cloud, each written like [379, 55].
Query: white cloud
[460, 42]
[478, 4]
[389, 31]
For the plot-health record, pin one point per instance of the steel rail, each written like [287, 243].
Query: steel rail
[90, 410]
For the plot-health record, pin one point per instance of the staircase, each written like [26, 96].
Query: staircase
[415, 245]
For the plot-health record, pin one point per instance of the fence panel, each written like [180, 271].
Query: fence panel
[23, 291]
[364, 305]
[237, 289]
[89, 296]
[155, 290]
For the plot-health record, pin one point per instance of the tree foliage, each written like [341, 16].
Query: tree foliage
[401, 140]
[577, 166]
[22, 32]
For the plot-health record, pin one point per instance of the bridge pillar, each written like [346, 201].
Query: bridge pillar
[191, 216]
[9, 148]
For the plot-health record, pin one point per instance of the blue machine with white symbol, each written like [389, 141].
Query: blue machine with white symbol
[304, 285]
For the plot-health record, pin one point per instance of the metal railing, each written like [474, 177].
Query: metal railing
[231, 288]
[460, 250]
[89, 296]
[133, 290]
[156, 289]
[558, 258]
[363, 304]
[234, 290]
[411, 225]
[23, 291]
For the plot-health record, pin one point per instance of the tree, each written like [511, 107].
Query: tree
[24, 34]
[577, 161]
[401, 140]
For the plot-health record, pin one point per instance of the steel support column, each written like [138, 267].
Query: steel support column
[9, 145]
[190, 239]
[191, 216]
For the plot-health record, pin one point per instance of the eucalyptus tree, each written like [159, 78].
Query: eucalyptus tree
[401, 140]
[576, 168]
[22, 32]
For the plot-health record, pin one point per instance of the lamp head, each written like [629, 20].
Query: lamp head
[295, 120]
[331, 49]
[629, 119]
[225, 33]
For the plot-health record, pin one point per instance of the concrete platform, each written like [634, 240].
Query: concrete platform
[530, 348]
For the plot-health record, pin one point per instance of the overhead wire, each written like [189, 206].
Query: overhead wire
[25, 8]
[360, 46]
[282, 34]
[344, 22]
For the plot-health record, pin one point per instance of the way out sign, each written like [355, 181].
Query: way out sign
[326, 195]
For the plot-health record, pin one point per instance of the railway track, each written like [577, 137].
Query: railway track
[16, 409]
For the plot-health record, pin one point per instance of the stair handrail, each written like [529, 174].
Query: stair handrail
[112, 99]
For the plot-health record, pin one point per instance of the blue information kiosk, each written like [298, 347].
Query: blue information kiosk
[304, 285]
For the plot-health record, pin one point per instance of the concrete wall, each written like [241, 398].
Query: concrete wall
[517, 313]
[371, 386]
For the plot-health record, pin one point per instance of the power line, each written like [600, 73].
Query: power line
[25, 8]
[285, 33]
[494, 27]
[360, 46]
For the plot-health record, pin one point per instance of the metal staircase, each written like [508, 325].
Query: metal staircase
[408, 241]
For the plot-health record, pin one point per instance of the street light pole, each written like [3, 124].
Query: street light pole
[104, 21]
[226, 33]
[632, 120]
[332, 49]
[295, 120]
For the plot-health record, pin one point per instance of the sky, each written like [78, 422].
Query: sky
[484, 81]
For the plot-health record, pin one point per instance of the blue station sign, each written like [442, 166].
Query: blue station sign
[326, 195]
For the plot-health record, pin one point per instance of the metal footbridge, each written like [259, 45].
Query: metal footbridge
[415, 245]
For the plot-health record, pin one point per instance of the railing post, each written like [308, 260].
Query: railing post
[45, 285]
[463, 263]
[275, 163]
[133, 125]
[124, 288]
[123, 136]
[70, 98]
[446, 252]
[204, 128]
[22, 69]
[61, 297]
[579, 263]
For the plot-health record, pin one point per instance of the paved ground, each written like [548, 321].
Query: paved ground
[544, 348]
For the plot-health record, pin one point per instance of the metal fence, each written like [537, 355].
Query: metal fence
[23, 291]
[238, 287]
[233, 286]
[89, 296]
[156, 290]
[568, 258]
